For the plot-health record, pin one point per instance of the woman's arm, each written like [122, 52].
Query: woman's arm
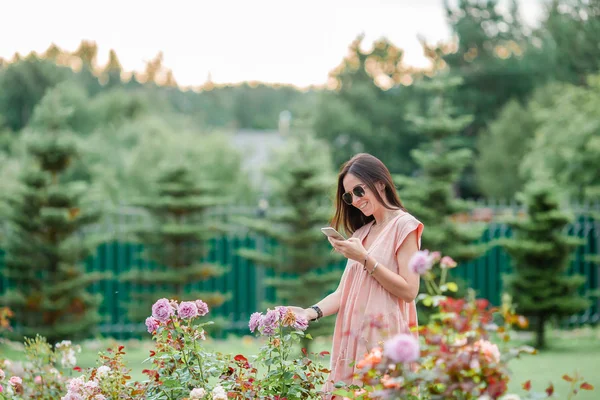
[404, 284]
[329, 305]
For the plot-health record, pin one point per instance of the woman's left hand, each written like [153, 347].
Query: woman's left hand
[351, 248]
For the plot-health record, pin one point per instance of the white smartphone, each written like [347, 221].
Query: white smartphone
[329, 231]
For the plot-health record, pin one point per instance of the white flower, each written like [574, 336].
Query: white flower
[218, 393]
[68, 359]
[102, 371]
[75, 385]
[510, 397]
[91, 387]
[72, 396]
[64, 343]
[197, 393]
[99, 397]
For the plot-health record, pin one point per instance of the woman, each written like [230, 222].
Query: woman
[375, 297]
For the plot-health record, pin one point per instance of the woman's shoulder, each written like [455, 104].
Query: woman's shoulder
[406, 224]
[407, 219]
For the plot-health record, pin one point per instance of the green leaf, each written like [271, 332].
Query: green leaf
[308, 336]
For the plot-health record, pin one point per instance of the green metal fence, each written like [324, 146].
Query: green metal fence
[246, 282]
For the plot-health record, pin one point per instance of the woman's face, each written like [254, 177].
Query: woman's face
[353, 188]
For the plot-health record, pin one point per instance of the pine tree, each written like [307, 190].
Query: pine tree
[176, 241]
[111, 74]
[540, 285]
[48, 240]
[431, 196]
[303, 179]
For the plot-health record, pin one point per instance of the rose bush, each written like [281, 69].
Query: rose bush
[277, 372]
[456, 356]
[42, 374]
[462, 353]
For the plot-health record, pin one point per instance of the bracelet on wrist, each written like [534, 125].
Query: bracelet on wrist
[319, 312]
[374, 268]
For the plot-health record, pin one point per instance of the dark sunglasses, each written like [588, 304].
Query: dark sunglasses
[358, 191]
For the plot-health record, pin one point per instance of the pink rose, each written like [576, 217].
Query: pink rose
[254, 321]
[72, 396]
[162, 310]
[402, 348]
[301, 323]
[15, 380]
[152, 324]
[447, 262]
[202, 308]
[489, 350]
[187, 310]
[1, 389]
[420, 262]
[282, 311]
[37, 380]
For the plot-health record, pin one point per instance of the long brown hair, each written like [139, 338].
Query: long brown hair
[370, 170]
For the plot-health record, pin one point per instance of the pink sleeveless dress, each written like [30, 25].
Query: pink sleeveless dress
[368, 313]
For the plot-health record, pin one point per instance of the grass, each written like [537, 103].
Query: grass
[569, 352]
[577, 350]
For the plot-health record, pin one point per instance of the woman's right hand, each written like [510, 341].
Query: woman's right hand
[304, 312]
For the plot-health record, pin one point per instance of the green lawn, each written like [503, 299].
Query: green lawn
[570, 351]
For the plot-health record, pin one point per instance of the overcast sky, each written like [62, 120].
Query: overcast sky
[283, 41]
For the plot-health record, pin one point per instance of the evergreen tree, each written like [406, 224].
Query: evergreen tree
[540, 251]
[431, 196]
[111, 74]
[48, 241]
[303, 178]
[176, 241]
[367, 109]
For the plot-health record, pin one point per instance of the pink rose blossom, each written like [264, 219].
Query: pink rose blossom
[152, 324]
[268, 330]
[254, 321]
[91, 387]
[421, 262]
[402, 348]
[75, 385]
[162, 310]
[489, 350]
[187, 310]
[15, 380]
[282, 311]
[202, 308]
[37, 380]
[72, 396]
[271, 318]
[301, 323]
[1, 389]
[447, 262]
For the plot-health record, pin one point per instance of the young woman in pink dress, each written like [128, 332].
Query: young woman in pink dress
[376, 295]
